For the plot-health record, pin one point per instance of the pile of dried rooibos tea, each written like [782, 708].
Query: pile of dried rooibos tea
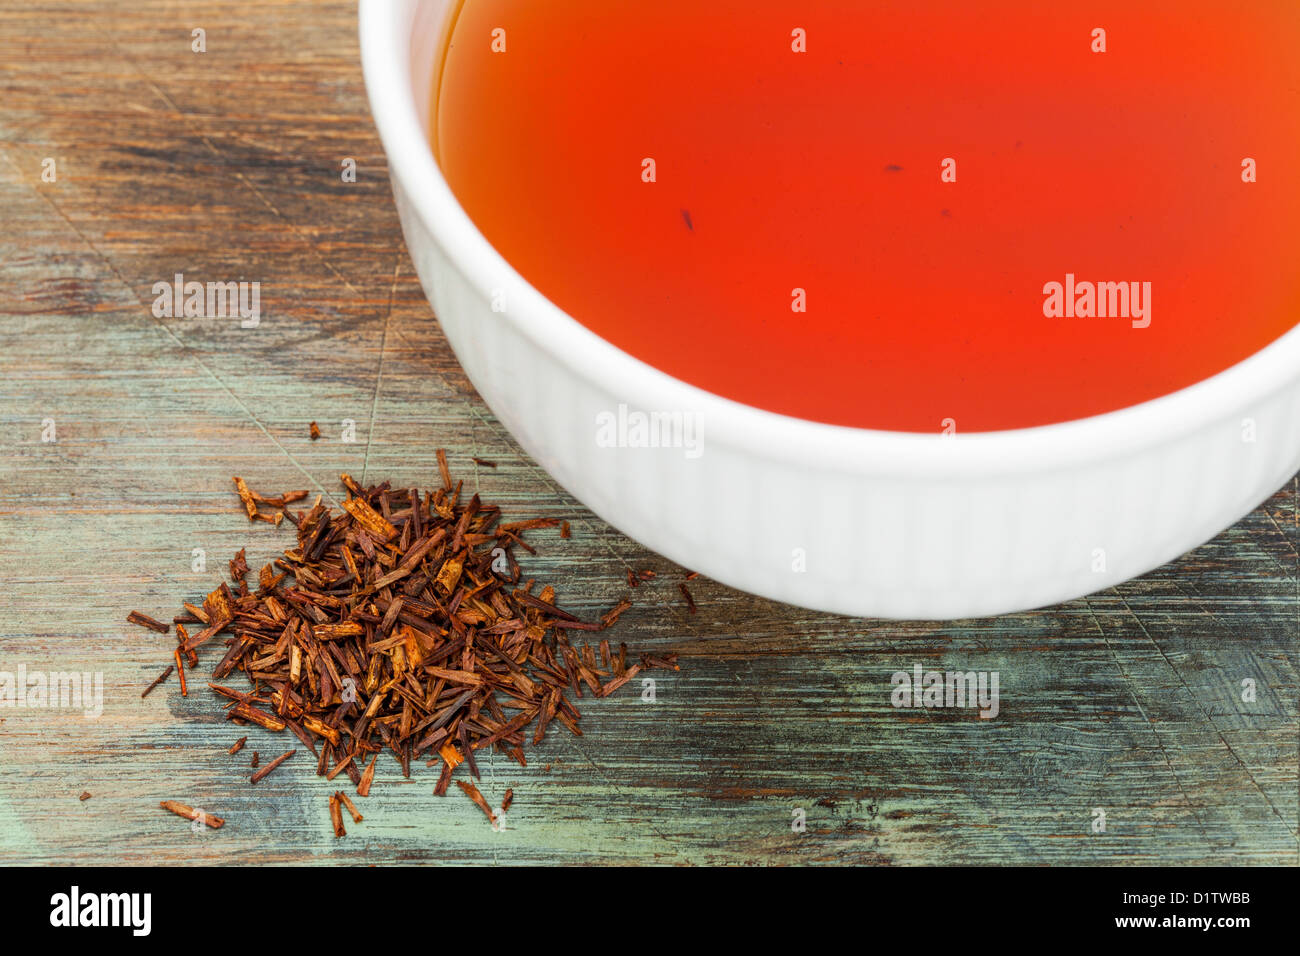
[399, 624]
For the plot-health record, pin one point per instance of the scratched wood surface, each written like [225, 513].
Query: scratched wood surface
[224, 166]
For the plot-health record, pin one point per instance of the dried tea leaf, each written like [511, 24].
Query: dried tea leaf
[246, 496]
[399, 625]
[369, 519]
[189, 813]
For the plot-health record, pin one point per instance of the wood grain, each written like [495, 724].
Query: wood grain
[225, 166]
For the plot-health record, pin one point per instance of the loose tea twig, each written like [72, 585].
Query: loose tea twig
[401, 624]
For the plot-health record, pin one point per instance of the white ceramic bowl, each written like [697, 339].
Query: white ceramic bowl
[839, 519]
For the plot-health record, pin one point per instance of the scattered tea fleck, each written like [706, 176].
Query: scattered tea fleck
[351, 807]
[612, 616]
[85, 795]
[238, 567]
[315, 431]
[261, 774]
[189, 813]
[144, 620]
[472, 792]
[367, 778]
[336, 817]
[667, 662]
[251, 499]
[237, 746]
[686, 593]
[246, 711]
[443, 470]
[246, 497]
[182, 639]
[158, 680]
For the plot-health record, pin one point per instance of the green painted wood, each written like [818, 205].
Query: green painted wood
[224, 166]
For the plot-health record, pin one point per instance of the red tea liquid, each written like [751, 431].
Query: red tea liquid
[823, 171]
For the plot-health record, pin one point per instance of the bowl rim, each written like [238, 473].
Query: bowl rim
[385, 44]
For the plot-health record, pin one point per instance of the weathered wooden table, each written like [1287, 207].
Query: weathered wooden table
[226, 165]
